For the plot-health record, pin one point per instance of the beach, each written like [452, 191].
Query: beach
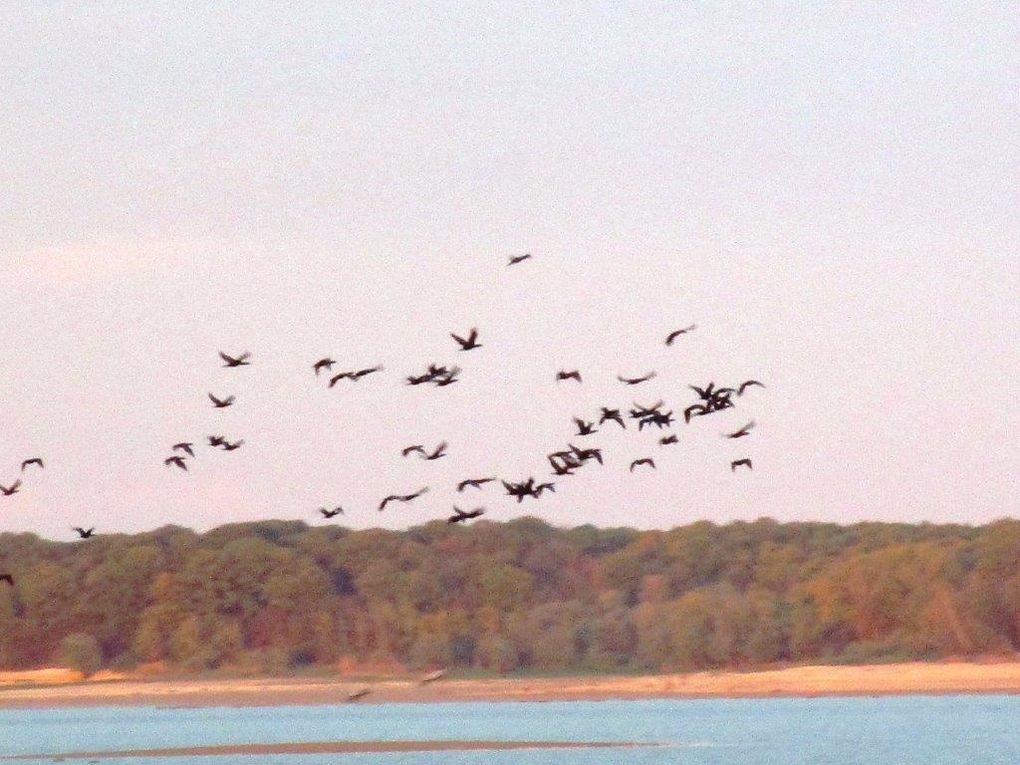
[59, 688]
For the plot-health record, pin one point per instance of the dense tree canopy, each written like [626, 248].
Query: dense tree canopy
[273, 595]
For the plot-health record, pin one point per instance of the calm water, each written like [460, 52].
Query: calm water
[946, 730]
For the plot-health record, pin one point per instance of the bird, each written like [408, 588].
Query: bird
[8, 491]
[175, 460]
[470, 343]
[639, 412]
[742, 432]
[667, 440]
[217, 441]
[331, 513]
[737, 463]
[544, 487]
[229, 447]
[515, 259]
[402, 497]
[476, 483]
[447, 378]
[439, 451]
[240, 361]
[460, 516]
[521, 489]
[643, 461]
[362, 372]
[410, 449]
[359, 694]
[705, 394]
[584, 428]
[32, 461]
[614, 415]
[7, 578]
[745, 385]
[587, 454]
[337, 378]
[563, 468]
[323, 363]
[658, 419]
[186, 447]
[636, 380]
[564, 375]
[84, 533]
[694, 410]
[221, 403]
[676, 333]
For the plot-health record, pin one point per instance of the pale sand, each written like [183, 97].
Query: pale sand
[332, 747]
[886, 679]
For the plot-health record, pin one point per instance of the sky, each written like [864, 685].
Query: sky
[828, 190]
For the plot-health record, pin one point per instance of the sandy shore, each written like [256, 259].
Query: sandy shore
[331, 747]
[887, 679]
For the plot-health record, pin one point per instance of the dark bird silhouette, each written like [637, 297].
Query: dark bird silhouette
[337, 378]
[229, 447]
[742, 432]
[331, 513]
[185, 446]
[587, 454]
[614, 415]
[33, 461]
[84, 533]
[563, 468]
[447, 378]
[737, 463]
[439, 451]
[749, 383]
[515, 259]
[658, 419]
[705, 394]
[325, 363]
[643, 461]
[585, 428]
[8, 491]
[362, 372]
[402, 498]
[7, 578]
[667, 440]
[476, 483]
[676, 333]
[221, 403]
[175, 460]
[217, 441]
[460, 516]
[694, 410]
[639, 412]
[359, 694]
[410, 449]
[635, 380]
[521, 489]
[544, 487]
[240, 361]
[470, 343]
[564, 375]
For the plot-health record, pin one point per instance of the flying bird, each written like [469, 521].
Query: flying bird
[8, 491]
[84, 533]
[643, 461]
[742, 432]
[186, 447]
[585, 428]
[439, 451]
[544, 487]
[676, 333]
[402, 497]
[33, 461]
[324, 363]
[639, 412]
[737, 463]
[229, 447]
[240, 361]
[469, 343]
[614, 415]
[221, 403]
[587, 454]
[175, 460]
[635, 380]
[362, 372]
[515, 259]
[337, 378]
[331, 513]
[410, 449]
[216, 441]
[745, 385]
[476, 483]
[447, 378]
[667, 440]
[460, 516]
[564, 375]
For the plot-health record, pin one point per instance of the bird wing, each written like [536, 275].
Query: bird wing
[228, 359]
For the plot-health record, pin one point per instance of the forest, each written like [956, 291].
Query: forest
[521, 596]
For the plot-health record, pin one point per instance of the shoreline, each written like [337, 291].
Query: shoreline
[914, 678]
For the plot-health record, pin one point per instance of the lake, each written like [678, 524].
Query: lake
[926, 730]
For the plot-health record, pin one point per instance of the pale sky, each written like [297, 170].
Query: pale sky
[829, 191]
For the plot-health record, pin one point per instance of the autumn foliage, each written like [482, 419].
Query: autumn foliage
[278, 595]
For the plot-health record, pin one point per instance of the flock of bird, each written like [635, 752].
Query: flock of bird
[563, 462]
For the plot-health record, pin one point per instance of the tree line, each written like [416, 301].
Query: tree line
[275, 596]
